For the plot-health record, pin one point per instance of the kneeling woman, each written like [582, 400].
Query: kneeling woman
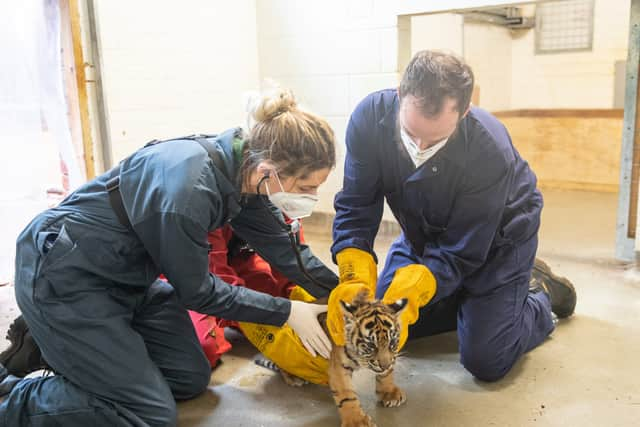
[121, 341]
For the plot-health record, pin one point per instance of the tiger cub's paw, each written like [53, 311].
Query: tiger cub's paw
[391, 398]
[292, 380]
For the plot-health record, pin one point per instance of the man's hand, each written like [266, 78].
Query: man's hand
[357, 272]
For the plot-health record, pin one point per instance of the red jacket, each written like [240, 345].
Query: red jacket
[245, 268]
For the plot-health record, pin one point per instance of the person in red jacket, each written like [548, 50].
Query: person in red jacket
[236, 263]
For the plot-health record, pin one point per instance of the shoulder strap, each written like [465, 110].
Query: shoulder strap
[113, 184]
[214, 155]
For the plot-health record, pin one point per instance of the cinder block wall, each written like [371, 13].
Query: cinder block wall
[332, 54]
[573, 79]
[175, 68]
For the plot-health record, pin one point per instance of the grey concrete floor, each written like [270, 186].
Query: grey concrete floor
[585, 374]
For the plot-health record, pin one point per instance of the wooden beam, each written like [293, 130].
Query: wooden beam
[81, 81]
[604, 113]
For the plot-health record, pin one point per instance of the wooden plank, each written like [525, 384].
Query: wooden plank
[70, 88]
[83, 101]
[585, 113]
[577, 186]
[569, 152]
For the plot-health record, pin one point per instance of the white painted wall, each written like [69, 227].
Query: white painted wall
[487, 48]
[572, 80]
[443, 31]
[512, 76]
[332, 54]
[175, 68]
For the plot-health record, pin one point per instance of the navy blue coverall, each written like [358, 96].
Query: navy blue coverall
[470, 214]
[120, 339]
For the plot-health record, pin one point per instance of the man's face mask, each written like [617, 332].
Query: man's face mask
[434, 131]
[419, 156]
[293, 205]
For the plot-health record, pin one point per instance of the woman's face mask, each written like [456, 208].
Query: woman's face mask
[293, 205]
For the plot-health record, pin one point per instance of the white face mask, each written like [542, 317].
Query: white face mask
[293, 205]
[419, 156]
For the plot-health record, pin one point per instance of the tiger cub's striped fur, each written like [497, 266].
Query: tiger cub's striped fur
[372, 332]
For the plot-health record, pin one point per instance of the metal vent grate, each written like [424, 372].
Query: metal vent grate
[564, 26]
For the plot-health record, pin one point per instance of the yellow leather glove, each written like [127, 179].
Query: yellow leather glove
[416, 283]
[358, 271]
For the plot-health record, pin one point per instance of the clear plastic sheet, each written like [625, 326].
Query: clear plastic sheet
[35, 140]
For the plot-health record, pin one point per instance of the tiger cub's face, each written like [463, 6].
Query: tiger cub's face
[372, 331]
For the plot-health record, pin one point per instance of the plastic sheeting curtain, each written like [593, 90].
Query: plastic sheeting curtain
[36, 150]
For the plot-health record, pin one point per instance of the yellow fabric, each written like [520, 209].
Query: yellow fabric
[283, 347]
[416, 283]
[358, 271]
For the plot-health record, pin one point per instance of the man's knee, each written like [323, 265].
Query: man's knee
[484, 363]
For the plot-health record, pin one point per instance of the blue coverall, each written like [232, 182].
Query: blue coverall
[119, 339]
[470, 214]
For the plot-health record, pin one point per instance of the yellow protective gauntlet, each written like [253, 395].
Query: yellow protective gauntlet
[416, 283]
[358, 271]
[356, 265]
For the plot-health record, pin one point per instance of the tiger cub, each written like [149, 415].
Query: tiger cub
[372, 332]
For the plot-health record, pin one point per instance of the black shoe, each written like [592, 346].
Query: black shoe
[560, 290]
[23, 355]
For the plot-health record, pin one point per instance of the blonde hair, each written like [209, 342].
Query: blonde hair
[296, 141]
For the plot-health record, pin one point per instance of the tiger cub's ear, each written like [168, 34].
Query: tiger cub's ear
[348, 309]
[398, 305]
[360, 299]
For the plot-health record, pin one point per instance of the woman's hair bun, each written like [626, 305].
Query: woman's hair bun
[270, 104]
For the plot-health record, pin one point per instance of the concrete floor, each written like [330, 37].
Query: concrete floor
[586, 374]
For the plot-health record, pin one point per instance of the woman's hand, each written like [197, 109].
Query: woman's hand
[303, 319]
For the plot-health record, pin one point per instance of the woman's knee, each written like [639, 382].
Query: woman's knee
[189, 384]
[160, 415]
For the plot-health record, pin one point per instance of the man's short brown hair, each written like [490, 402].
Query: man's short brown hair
[433, 76]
